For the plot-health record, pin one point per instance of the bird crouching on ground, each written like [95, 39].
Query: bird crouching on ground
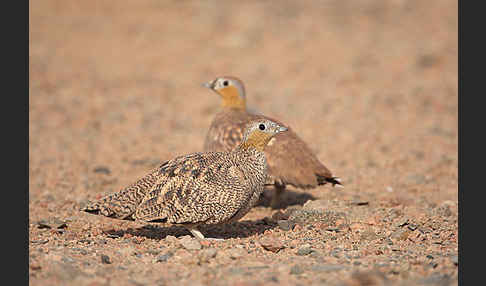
[200, 188]
[290, 160]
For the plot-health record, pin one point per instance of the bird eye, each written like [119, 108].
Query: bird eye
[225, 83]
[262, 126]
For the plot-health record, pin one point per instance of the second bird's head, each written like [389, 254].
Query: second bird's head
[231, 90]
[259, 132]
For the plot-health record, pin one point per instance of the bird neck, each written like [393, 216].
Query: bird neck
[256, 140]
[232, 98]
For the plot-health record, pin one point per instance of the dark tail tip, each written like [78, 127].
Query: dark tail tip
[100, 210]
[91, 211]
[321, 180]
[91, 207]
[88, 206]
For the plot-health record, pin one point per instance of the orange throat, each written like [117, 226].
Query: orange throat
[232, 98]
[257, 140]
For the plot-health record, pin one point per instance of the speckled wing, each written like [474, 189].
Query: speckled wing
[197, 188]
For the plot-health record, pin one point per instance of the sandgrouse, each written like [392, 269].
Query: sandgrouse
[199, 188]
[290, 161]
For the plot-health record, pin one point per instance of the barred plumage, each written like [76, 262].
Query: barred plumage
[199, 188]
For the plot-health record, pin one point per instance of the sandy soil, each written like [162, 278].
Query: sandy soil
[370, 85]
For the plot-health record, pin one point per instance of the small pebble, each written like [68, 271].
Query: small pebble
[304, 251]
[100, 241]
[105, 259]
[82, 251]
[359, 203]
[284, 225]
[42, 241]
[35, 266]
[171, 238]
[164, 257]
[402, 222]
[433, 264]
[412, 226]
[190, 243]
[49, 223]
[272, 245]
[102, 170]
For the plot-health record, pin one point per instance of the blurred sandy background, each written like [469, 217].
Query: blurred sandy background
[115, 86]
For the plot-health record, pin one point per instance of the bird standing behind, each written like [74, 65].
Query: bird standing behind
[290, 160]
[199, 188]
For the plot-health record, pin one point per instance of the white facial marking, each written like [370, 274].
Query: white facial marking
[270, 143]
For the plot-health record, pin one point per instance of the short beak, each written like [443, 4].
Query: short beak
[282, 129]
[208, 84]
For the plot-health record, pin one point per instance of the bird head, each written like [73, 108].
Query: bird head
[259, 132]
[231, 90]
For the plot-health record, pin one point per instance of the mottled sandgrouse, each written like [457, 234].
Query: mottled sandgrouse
[199, 188]
[290, 161]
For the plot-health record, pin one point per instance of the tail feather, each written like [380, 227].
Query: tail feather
[122, 205]
[321, 180]
[119, 205]
[97, 209]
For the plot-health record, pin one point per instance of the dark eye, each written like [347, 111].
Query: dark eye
[262, 126]
[225, 83]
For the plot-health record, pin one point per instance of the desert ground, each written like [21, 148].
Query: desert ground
[371, 86]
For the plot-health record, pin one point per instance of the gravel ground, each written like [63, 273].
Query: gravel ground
[370, 85]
